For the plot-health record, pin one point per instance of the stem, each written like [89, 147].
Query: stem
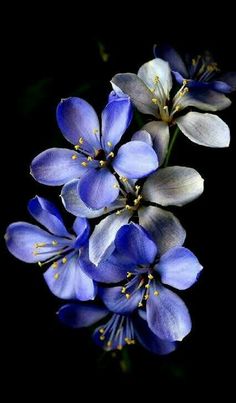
[125, 363]
[176, 132]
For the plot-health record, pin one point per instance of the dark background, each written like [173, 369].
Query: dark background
[46, 58]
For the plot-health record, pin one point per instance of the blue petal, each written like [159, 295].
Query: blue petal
[169, 54]
[179, 268]
[108, 271]
[135, 244]
[22, 239]
[101, 242]
[48, 215]
[98, 188]
[117, 302]
[220, 86]
[229, 78]
[81, 314]
[167, 314]
[77, 119]
[73, 203]
[68, 281]
[179, 78]
[135, 160]
[149, 340]
[57, 166]
[82, 229]
[116, 118]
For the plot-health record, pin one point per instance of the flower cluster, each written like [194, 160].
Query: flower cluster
[125, 254]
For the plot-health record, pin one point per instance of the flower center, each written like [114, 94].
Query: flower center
[117, 332]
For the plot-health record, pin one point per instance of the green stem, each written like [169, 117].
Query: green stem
[172, 142]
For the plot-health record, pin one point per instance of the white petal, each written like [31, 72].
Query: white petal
[157, 69]
[159, 132]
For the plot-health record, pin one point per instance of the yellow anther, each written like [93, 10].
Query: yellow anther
[165, 108]
[102, 337]
[64, 260]
[156, 80]
[77, 147]
[194, 62]
[119, 347]
[102, 163]
[127, 340]
[132, 342]
[150, 276]
[118, 212]
[152, 90]
[54, 243]
[95, 131]
[40, 264]
[81, 140]
[111, 154]
[177, 108]
[128, 207]
[40, 244]
[109, 343]
[147, 286]
[127, 296]
[74, 157]
[128, 274]
[84, 164]
[137, 187]
[89, 158]
[56, 276]
[146, 297]
[101, 330]
[116, 186]
[185, 82]
[123, 179]
[154, 101]
[156, 293]
[109, 143]
[140, 304]
[35, 253]
[123, 289]
[55, 265]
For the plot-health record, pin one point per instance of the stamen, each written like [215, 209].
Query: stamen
[155, 101]
[111, 155]
[150, 276]
[89, 158]
[81, 140]
[40, 244]
[109, 143]
[156, 293]
[64, 260]
[102, 163]
[55, 265]
[54, 243]
[95, 131]
[127, 296]
[77, 147]
[56, 276]
[128, 274]
[123, 290]
[74, 157]
[84, 164]
[116, 186]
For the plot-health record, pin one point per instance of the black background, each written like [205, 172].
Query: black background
[46, 58]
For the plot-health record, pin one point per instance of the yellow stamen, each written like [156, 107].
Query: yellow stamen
[54, 243]
[102, 337]
[150, 276]
[140, 304]
[39, 244]
[77, 147]
[74, 157]
[89, 158]
[147, 286]
[101, 330]
[81, 140]
[56, 276]
[111, 154]
[55, 265]
[123, 289]
[127, 296]
[156, 80]
[116, 186]
[109, 343]
[154, 101]
[84, 164]
[128, 207]
[146, 297]
[128, 274]
[102, 163]
[95, 131]
[109, 143]
[64, 260]
[40, 264]
[156, 293]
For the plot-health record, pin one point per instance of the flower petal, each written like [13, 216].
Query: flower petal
[118, 302]
[108, 271]
[22, 239]
[167, 315]
[229, 78]
[98, 188]
[68, 281]
[159, 132]
[73, 203]
[204, 99]
[135, 88]
[135, 159]
[82, 229]
[57, 166]
[169, 54]
[179, 268]
[77, 119]
[173, 186]
[101, 242]
[116, 118]
[48, 215]
[149, 340]
[81, 314]
[204, 129]
[135, 244]
[157, 68]
[163, 226]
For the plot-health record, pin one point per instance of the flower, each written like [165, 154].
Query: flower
[168, 186]
[167, 315]
[118, 331]
[30, 243]
[150, 93]
[97, 157]
[201, 71]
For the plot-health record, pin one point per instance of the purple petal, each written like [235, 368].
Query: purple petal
[78, 120]
[230, 79]
[179, 268]
[135, 244]
[98, 188]
[116, 118]
[135, 160]
[82, 229]
[81, 314]
[57, 166]
[167, 314]
[118, 302]
[48, 215]
[169, 54]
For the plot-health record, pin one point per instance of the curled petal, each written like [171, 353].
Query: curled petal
[79, 315]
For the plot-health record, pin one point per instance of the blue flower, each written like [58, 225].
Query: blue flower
[150, 93]
[65, 277]
[168, 186]
[118, 331]
[201, 72]
[97, 158]
[146, 272]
